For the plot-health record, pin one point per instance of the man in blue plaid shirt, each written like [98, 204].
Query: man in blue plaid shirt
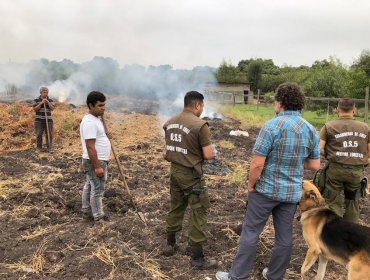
[286, 145]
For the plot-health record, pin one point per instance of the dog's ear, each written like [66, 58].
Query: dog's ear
[315, 196]
[311, 195]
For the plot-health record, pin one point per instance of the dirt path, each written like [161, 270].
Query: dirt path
[43, 236]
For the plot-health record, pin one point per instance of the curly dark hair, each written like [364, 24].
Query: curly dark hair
[291, 96]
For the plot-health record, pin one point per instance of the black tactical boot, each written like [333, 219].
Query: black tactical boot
[171, 247]
[199, 261]
[171, 238]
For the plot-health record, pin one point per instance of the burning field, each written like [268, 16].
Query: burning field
[43, 234]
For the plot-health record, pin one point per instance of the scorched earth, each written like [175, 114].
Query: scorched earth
[43, 234]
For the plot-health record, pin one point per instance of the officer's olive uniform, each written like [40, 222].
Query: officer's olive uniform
[346, 149]
[185, 136]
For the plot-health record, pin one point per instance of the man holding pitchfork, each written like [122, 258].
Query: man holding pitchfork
[43, 106]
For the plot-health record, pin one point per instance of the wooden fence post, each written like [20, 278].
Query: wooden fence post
[327, 111]
[258, 98]
[367, 104]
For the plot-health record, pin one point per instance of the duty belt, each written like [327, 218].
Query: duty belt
[181, 167]
[349, 166]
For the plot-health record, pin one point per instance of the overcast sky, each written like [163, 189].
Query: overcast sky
[184, 33]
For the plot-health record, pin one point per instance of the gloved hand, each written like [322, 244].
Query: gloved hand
[214, 150]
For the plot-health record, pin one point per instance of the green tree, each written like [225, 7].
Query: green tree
[227, 73]
[359, 74]
[356, 83]
[363, 62]
[254, 74]
[321, 64]
[262, 73]
[327, 79]
[270, 82]
[268, 66]
[300, 75]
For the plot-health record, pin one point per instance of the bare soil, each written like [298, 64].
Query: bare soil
[44, 236]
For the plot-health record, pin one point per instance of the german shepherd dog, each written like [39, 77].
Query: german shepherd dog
[328, 236]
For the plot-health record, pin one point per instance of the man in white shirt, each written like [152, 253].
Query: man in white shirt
[96, 151]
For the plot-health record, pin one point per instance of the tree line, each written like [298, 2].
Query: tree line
[324, 78]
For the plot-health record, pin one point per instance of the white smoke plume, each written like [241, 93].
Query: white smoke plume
[71, 82]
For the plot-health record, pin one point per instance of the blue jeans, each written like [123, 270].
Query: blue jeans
[258, 211]
[93, 190]
[40, 128]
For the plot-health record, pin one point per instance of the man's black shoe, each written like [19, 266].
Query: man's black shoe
[203, 263]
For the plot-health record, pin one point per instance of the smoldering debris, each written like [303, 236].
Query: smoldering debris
[214, 117]
[133, 105]
[215, 167]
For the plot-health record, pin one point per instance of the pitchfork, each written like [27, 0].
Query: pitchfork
[140, 214]
[47, 128]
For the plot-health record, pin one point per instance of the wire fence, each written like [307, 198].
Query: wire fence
[324, 107]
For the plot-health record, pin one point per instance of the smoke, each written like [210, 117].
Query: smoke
[71, 82]
[68, 90]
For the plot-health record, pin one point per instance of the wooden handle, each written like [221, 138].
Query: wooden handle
[119, 166]
[47, 127]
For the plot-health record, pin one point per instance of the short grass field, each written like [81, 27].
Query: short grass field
[252, 115]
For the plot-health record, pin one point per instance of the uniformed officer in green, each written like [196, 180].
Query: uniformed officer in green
[188, 144]
[345, 143]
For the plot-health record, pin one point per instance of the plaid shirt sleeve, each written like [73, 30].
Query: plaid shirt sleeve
[264, 142]
[315, 153]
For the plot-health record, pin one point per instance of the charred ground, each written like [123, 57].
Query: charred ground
[43, 235]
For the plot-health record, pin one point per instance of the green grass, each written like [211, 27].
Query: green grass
[317, 120]
[238, 175]
[248, 115]
[67, 128]
[226, 144]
